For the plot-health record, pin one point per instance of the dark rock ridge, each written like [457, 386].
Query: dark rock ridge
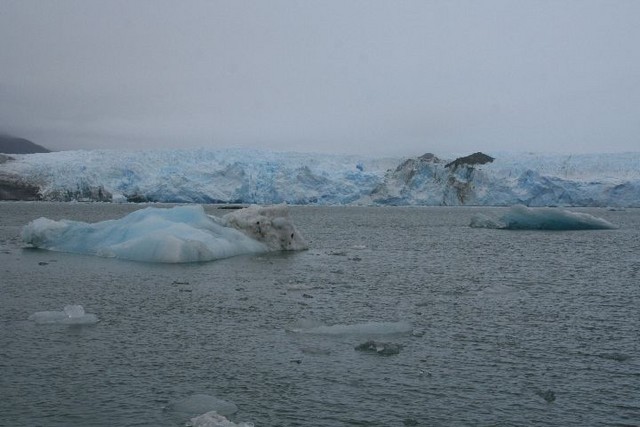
[14, 145]
[470, 160]
[13, 188]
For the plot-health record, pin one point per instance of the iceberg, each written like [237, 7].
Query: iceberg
[176, 235]
[204, 410]
[523, 218]
[70, 315]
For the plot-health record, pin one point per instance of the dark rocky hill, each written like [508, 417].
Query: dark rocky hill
[470, 160]
[14, 145]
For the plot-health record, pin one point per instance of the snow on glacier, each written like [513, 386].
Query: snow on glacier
[523, 218]
[264, 177]
[177, 235]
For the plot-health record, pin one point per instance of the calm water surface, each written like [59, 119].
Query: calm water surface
[509, 327]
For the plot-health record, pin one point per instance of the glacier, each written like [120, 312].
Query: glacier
[242, 176]
[520, 217]
[176, 235]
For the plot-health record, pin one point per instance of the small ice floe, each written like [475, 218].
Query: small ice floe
[198, 404]
[381, 348]
[520, 217]
[213, 419]
[367, 328]
[70, 315]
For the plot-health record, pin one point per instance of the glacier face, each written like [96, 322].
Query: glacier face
[198, 176]
[263, 177]
[528, 179]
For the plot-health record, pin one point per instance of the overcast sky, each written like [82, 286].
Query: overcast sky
[375, 77]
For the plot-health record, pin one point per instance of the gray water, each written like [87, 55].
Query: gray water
[509, 327]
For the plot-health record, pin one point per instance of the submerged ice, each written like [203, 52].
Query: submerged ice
[176, 235]
[523, 218]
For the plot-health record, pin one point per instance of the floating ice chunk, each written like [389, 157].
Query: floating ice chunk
[213, 419]
[176, 235]
[523, 218]
[118, 198]
[71, 315]
[381, 348]
[197, 404]
[74, 311]
[268, 224]
[368, 328]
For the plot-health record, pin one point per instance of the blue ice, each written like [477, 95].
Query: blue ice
[520, 217]
[177, 235]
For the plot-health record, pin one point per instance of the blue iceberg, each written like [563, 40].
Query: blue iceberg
[520, 217]
[176, 235]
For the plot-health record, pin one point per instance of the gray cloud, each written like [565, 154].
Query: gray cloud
[379, 77]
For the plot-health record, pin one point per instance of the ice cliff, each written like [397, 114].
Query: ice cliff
[508, 179]
[263, 177]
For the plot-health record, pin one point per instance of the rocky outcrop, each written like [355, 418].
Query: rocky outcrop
[470, 160]
[13, 188]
